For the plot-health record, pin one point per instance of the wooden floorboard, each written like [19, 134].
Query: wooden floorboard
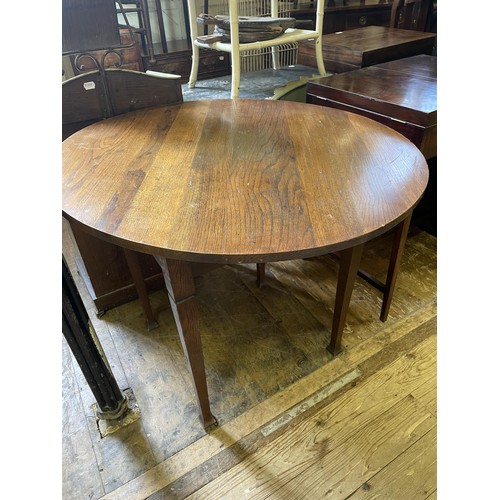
[292, 418]
[295, 454]
[77, 442]
[412, 474]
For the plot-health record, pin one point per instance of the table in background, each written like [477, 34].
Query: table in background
[361, 47]
[217, 182]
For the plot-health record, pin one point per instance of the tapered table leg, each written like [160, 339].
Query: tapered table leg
[181, 292]
[350, 259]
[261, 273]
[395, 262]
[134, 267]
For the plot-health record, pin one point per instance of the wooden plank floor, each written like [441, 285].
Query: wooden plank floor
[295, 423]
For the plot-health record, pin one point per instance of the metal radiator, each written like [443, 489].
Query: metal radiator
[260, 59]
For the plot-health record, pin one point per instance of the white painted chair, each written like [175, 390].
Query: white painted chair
[235, 48]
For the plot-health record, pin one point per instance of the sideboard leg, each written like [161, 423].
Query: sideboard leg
[350, 259]
[181, 293]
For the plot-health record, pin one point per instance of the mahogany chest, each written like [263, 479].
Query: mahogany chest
[401, 94]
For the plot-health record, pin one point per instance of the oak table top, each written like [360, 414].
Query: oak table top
[230, 181]
[239, 180]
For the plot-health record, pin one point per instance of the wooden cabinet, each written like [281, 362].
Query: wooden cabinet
[361, 47]
[367, 17]
[401, 94]
[212, 64]
[355, 14]
[104, 269]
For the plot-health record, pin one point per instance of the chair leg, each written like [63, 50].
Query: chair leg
[319, 57]
[140, 285]
[275, 57]
[194, 67]
[235, 76]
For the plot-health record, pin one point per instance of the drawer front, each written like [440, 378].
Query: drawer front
[360, 19]
[212, 64]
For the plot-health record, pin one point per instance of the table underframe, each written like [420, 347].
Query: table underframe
[179, 281]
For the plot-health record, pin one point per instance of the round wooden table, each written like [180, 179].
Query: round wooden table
[233, 181]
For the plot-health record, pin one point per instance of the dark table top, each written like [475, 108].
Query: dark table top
[361, 47]
[373, 38]
[405, 89]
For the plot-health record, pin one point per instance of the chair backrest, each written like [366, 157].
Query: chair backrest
[410, 14]
[96, 95]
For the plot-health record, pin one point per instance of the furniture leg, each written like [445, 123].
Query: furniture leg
[235, 75]
[235, 51]
[350, 259]
[136, 272]
[194, 66]
[398, 245]
[275, 58]
[261, 273]
[181, 293]
[319, 56]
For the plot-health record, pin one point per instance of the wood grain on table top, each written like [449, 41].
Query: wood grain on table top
[239, 180]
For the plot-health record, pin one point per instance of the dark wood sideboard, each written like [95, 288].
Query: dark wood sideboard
[357, 48]
[401, 94]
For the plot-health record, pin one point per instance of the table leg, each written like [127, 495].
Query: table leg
[181, 293]
[350, 259]
[395, 261]
[261, 274]
[134, 267]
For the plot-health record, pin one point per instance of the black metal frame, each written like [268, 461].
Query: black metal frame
[86, 348]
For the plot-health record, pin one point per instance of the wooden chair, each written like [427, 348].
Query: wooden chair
[113, 274]
[235, 47]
